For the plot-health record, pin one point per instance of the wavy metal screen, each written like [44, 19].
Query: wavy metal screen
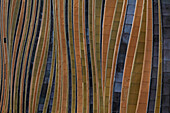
[84, 56]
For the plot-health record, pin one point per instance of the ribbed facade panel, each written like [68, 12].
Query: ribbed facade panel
[84, 56]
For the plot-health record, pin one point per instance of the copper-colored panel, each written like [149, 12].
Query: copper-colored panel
[15, 101]
[136, 73]
[129, 58]
[118, 38]
[110, 53]
[77, 55]
[44, 47]
[107, 22]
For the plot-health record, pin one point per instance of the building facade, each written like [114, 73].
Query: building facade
[84, 56]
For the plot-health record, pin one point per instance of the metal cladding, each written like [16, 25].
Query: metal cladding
[84, 56]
